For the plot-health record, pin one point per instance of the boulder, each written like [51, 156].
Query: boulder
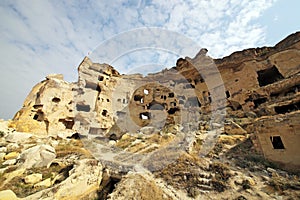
[45, 183]
[17, 137]
[10, 162]
[8, 195]
[33, 178]
[38, 156]
[11, 155]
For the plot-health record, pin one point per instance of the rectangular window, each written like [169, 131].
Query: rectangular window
[277, 142]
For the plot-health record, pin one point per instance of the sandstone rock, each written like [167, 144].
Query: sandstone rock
[83, 183]
[271, 170]
[48, 109]
[2, 156]
[12, 147]
[38, 156]
[17, 137]
[33, 178]
[11, 155]
[233, 128]
[45, 183]
[257, 82]
[137, 186]
[10, 162]
[3, 149]
[8, 195]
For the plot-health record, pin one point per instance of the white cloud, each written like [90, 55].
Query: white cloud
[41, 37]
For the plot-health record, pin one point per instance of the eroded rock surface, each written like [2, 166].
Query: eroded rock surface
[183, 133]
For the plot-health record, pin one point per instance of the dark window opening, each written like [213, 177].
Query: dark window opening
[287, 108]
[100, 78]
[56, 100]
[137, 97]
[84, 108]
[107, 100]
[258, 102]
[98, 88]
[39, 116]
[145, 115]
[38, 106]
[236, 80]
[124, 101]
[172, 111]
[104, 113]
[277, 142]
[201, 80]
[227, 94]
[171, 95]
[68, 123]
[209, 99]
[268, 76]
[173, 103]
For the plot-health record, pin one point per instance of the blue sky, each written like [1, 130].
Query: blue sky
[43, 37]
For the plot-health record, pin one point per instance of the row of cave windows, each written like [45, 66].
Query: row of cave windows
[147, 115]
[68, 123]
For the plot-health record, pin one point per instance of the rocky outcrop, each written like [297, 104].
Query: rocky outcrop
[261, 84]
[48, 109]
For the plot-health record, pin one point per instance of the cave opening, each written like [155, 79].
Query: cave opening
[68, 123]
[56, 100]
[172, 111]
[269, 76]
[258, 102]
[145, 115]
[137, 97]
[287, 108]
[277, 142]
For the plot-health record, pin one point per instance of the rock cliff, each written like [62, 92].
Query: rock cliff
[201, 129]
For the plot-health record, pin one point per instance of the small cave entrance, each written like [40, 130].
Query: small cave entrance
[287, 108]
[137, 97]
[68, 122]
[172, 111]
[269, 76]
[107, 186]
[39, 116]
[258, 102]
[171, 95]
[56, 100]
[277, 142]
[104, 113]
[145, 115]
[227, 94]
[100, 78]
